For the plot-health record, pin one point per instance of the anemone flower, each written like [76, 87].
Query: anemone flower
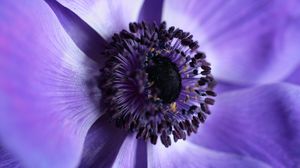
[101, 83]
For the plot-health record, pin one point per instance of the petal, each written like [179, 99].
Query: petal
[189, 155]
[48, 95]
[294, 77]
[260, 122]
[223, 87]
[146, 14]
[141, 154]
[105, 16]
[102, 144]
[126, 157]
[85, 37]
[108, 146]
[7, 159]
[242, 40]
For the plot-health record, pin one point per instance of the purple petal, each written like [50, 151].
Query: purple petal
[7, 159]
[141, 154]
[85, 37]
[223, 87]
[108, 146]
[294, 77]
[243, 41]
[189, 155]
[261, 122]
[127, 157]
[105, 16]
[102, 144]
[147, 13]
[48, 95]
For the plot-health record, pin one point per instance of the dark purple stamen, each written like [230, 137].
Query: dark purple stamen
[156, 83]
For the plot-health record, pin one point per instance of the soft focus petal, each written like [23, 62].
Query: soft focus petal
[126, 157]
[7, 159]
[102, 144]
[223, 87]
[294, 77]
[246, 41]
[189, 155]
[147, 13]
[48, 96]
[105, 16]
[261, 122]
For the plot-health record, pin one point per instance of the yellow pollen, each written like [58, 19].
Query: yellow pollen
[185, 68]
[173, 107]
[152, 49]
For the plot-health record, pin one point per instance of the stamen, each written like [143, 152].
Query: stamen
[156, 83]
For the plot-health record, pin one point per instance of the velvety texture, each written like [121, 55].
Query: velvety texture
[294, 77]
[102, 144]
[49, 98]
[186, 154]
[7, 159]
[105, 16]
[50, 115]
[261, 122]
[84, 36]
[151, 11]
[127, 154]
[244, 44]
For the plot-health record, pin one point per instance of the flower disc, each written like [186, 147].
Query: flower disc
[156, 83]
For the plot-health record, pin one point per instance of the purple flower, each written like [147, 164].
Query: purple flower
[97, 84]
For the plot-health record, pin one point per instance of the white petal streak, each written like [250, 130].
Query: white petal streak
[189, 155]
[105, 16]
[46, 87]
[127, 155]
[242, 41]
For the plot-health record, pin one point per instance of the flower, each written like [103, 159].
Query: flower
[50, 88]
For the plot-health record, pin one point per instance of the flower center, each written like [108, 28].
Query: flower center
[165, 78]
[156, 83]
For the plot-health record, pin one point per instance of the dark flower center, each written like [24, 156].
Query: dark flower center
[156, 83]
[165, 78]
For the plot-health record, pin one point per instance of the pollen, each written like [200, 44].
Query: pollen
[173, 107]
[152, 49]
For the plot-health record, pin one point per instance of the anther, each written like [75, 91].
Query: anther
[200, 55]
[211, 93]
[133, 27]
